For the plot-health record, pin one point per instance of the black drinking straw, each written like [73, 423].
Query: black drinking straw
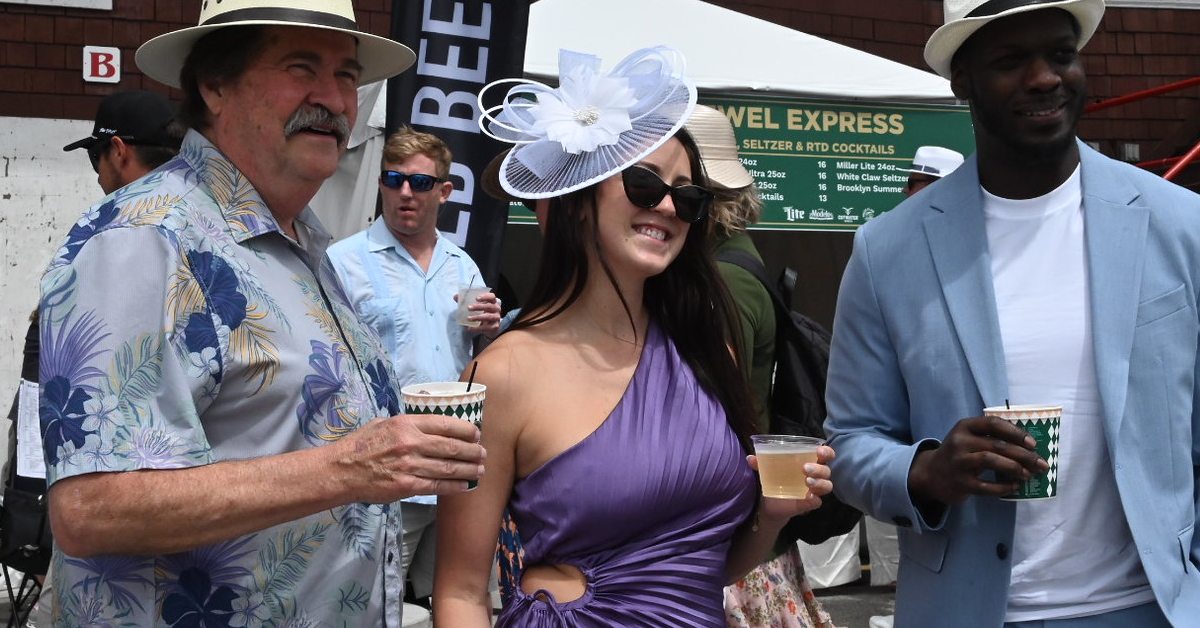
[1006, 406]
[471, 379]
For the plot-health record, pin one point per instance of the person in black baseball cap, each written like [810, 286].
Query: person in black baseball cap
[135, 132]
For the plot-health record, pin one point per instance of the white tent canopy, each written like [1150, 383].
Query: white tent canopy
[725, 50]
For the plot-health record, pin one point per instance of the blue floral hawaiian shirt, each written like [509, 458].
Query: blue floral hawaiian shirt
[181, 327]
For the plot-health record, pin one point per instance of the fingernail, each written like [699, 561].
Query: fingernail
[1030, 443]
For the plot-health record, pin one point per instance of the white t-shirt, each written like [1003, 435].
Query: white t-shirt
[1072, 555]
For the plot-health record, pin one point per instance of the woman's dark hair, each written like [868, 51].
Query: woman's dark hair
[216, 58]
[688, 300]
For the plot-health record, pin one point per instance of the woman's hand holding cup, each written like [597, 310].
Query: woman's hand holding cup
[777, 509]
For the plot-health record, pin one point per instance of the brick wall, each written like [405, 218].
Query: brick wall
[1134, 49]
[41, 50]
[41, 55]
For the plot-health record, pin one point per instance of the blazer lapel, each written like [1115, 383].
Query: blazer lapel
[1115, 232]
[957, 241]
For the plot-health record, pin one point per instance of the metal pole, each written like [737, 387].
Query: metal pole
[1146, 93]
[1158, 163]
[1183, 163]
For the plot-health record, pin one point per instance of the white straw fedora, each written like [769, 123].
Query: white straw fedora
[714, 137]
[964, 17]
[935, 161]
[162, 57]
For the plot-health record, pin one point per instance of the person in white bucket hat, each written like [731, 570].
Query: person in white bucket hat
[1038, 272]
[930, 163]
[221, 432]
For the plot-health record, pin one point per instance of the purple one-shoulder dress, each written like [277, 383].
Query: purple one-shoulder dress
[645, 506]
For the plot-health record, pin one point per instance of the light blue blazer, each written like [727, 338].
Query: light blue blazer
[916, 347]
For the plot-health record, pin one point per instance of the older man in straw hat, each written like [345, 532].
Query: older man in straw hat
[218, 424]
[1039, 272]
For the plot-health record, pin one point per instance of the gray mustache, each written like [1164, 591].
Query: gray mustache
[315, 115]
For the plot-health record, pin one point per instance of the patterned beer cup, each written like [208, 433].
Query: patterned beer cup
[1044, 424]
[448, 398]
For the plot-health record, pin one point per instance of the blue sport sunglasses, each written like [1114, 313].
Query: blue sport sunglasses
[418, 182]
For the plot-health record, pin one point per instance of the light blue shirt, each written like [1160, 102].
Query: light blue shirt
[412, 310]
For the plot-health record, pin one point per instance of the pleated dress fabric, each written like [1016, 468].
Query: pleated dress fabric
[645, 506]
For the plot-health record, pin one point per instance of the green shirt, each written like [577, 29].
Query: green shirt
[757, 318]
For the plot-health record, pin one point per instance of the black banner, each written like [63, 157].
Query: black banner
[461, 46]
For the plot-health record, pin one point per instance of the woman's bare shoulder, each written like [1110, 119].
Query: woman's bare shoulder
[507, 348]
[507, 365]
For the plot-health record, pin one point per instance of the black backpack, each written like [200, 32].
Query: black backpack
[798, 391]
[25, 541]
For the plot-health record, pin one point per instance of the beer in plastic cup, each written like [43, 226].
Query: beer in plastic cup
[781, 460]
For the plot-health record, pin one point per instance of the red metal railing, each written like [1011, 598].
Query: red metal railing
[1145, 93]
[1183, 163]
[1155, 164]
[1180, 162]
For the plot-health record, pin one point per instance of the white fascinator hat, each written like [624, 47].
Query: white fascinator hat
[592, 126]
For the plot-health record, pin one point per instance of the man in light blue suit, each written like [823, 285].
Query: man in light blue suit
[1038, 272]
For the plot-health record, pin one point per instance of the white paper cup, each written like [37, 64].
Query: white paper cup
[448, 398]
[1044, 424]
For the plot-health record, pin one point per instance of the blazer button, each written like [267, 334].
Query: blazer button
[1001, 551]
[902, 521]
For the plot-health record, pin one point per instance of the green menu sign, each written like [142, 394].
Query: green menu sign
[832, 166]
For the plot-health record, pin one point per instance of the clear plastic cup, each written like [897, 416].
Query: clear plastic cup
[466, 296]
[781, 460]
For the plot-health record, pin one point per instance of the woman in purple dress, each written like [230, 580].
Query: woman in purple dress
[617, 419]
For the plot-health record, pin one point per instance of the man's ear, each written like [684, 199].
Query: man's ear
[119, 152]
[445, 191]
[214, 97]
[960, 81]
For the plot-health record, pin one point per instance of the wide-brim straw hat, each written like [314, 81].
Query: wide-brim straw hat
[964, 17]
[714, 136]
[161, 58]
